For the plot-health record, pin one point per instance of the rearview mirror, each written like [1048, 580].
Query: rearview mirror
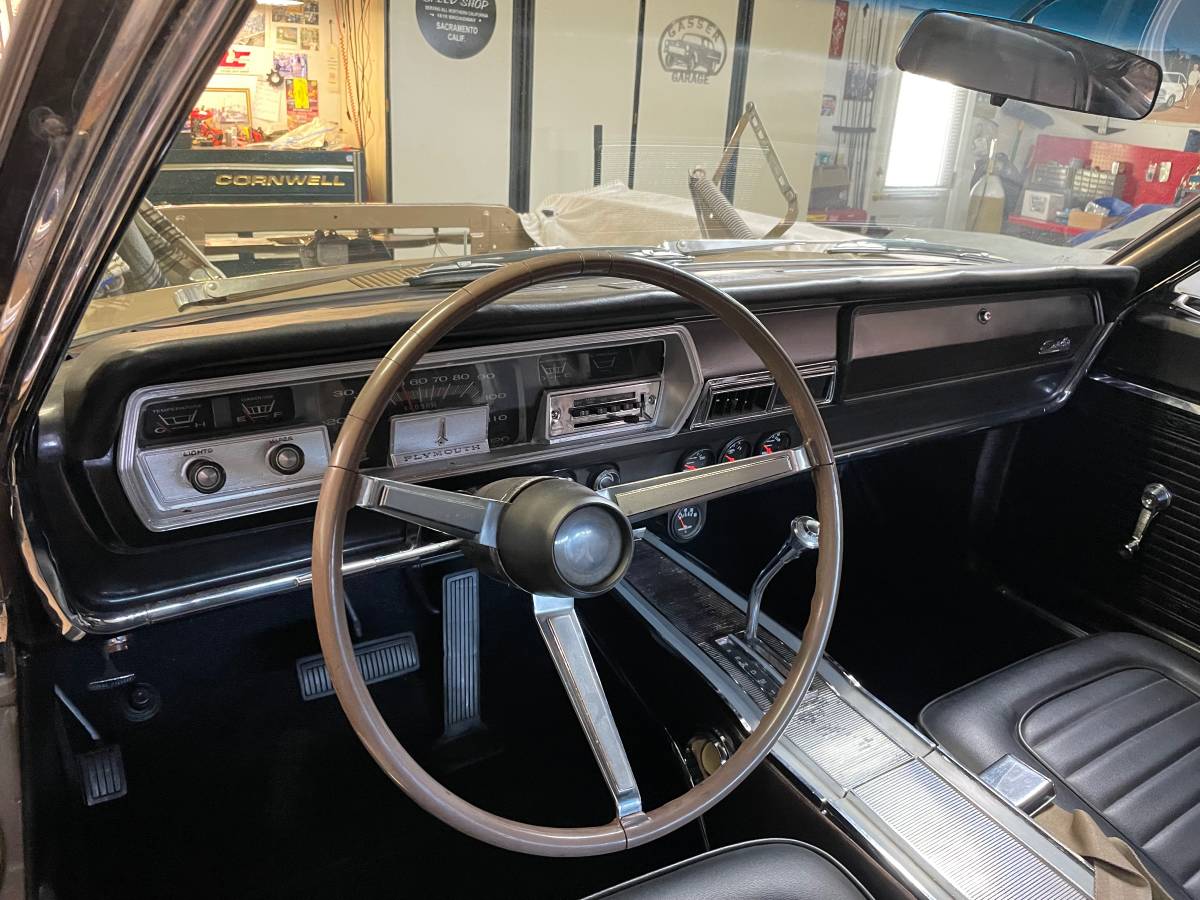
[1027, 62]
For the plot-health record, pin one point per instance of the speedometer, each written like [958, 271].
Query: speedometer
[490, 385]
[433, 389]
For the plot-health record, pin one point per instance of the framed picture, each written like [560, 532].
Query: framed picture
[310, 38]
[287, 35]
[232, 104]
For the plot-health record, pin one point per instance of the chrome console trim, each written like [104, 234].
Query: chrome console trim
[681, 378]
[1148, 393]
[933, 823]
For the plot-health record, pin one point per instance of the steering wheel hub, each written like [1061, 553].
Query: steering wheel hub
[558, 537]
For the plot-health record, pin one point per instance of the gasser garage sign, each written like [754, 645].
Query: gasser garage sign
[692, 49]
[457, 28]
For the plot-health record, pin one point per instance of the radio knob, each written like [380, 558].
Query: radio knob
[204, 475]
[286, 459]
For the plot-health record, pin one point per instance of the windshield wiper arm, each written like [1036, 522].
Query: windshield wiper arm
[218, 292]
[865, 245]
[908, 245]
[468, 268]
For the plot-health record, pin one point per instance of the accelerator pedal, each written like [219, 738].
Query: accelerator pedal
[378, 660]
[460, 646]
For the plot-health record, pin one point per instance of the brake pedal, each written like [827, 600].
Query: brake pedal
[378, 660]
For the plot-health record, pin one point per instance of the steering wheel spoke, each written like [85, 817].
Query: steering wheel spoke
[455, 514]
[568, 647]
[640, 499]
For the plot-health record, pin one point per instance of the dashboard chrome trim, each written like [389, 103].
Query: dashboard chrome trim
[681, 377]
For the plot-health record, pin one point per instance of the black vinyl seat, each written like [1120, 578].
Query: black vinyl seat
[1114, 720]
[757, 870]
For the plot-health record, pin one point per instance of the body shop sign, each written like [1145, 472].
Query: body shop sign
[457, 28]
[692, 49]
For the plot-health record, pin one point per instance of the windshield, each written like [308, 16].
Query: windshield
[386, 137]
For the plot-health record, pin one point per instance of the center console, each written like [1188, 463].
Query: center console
[941, 828]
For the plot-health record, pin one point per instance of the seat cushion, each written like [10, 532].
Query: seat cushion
[758, 870]
[1114, 720]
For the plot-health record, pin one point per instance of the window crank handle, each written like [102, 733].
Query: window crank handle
[1155, 498]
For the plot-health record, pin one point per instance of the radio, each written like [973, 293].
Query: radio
[601, 408]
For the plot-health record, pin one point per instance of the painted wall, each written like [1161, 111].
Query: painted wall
[449, 118]
[785, 78]
[584, 59]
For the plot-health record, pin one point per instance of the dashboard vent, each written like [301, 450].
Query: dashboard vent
[736, 402]
[754, 396]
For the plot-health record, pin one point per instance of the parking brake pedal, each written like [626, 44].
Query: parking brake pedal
[101, 769]
[378, 660]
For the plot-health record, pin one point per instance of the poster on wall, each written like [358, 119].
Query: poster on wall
[457, 28]
[244, 59]
[254, 30]
[301, 95]
[310, 38]
[692, 49]
[1178, 100]
[837, 35]
[287, 35]
[291, 65]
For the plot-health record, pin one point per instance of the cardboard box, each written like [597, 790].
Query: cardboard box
[830, 177]
[1042, 205]
[1089, 221]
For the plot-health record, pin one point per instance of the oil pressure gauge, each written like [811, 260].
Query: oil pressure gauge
[686, 522]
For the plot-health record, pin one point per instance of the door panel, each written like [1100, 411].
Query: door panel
[1072, 496]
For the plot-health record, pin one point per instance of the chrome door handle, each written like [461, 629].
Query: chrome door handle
[1155, 498]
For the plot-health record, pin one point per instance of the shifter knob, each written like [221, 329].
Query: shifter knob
[803, 535]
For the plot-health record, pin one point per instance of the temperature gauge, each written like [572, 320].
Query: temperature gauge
[775, 442]
[738, 448]
[697, 459]
[686, 522]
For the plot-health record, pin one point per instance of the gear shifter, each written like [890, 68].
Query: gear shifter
[803, 535]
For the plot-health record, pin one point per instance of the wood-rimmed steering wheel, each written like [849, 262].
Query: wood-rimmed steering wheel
[560, 541]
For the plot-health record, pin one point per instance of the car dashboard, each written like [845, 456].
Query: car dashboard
[175, 469]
